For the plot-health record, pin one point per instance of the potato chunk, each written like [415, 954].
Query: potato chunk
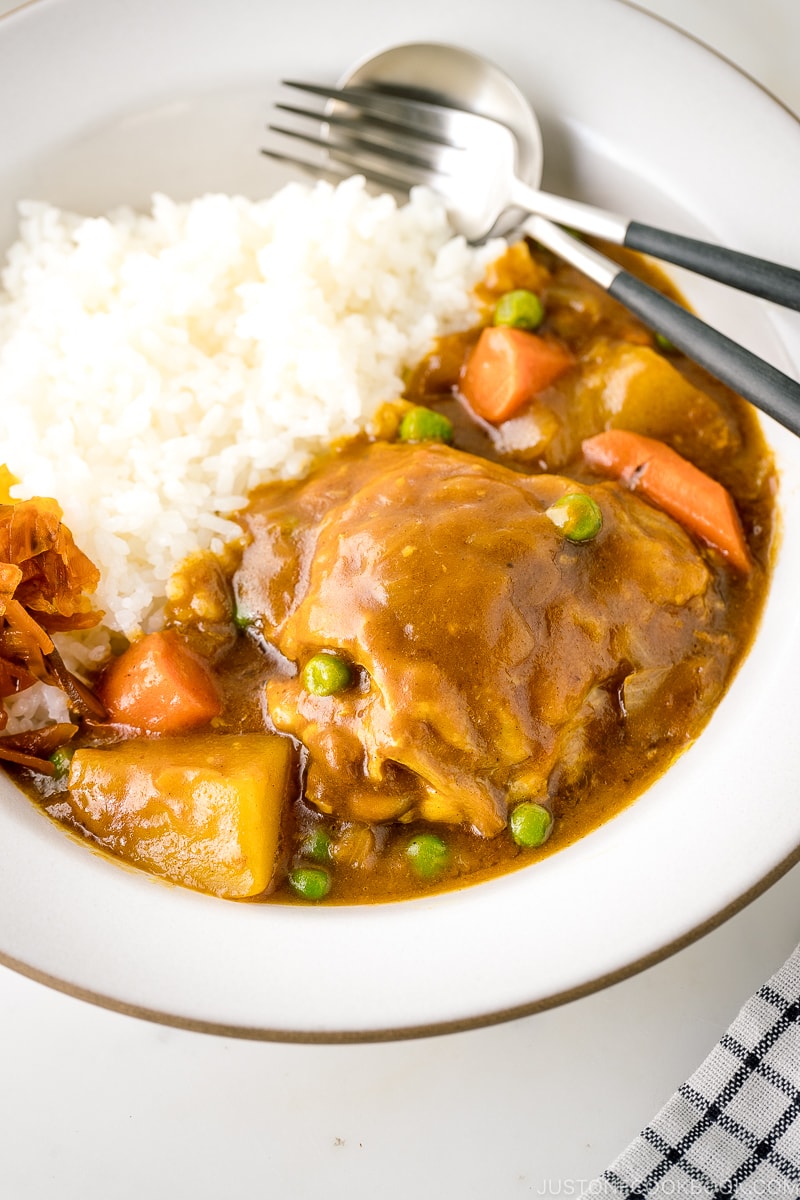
[634, 388]
[203, 811]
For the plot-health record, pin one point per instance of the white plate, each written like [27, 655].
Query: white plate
[112, 101]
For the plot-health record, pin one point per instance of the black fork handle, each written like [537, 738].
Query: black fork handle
[758, 276]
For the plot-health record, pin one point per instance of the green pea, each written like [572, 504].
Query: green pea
[428, 855]
[326, 674]
[61, 759]
[424, 425]
[577, 516]
[241, 619]
[520, 309]
[312, 883]
[530, 824]
[316, 845]
[663, 343]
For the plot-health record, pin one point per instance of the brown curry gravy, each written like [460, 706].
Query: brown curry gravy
[368, 861]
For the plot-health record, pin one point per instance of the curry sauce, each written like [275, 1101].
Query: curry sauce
[488, 661]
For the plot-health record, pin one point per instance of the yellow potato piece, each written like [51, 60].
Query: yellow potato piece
[202, 811]
[635, 388]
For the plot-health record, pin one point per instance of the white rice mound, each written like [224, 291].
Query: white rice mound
[155, 368]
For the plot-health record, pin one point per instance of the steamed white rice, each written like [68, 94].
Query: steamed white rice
[155, 368]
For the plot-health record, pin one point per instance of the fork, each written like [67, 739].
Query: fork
[447, 142]
[399, 141]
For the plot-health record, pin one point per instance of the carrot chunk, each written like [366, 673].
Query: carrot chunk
[704, 507]
[507, 368]
[158, 685]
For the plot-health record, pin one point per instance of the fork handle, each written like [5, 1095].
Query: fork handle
[758, 276]
[757, 381]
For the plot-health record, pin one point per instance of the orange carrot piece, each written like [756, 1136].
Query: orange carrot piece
[704, 507]
[158, 685]
[507, 368]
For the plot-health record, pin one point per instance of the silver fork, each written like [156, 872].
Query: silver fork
[399, 141]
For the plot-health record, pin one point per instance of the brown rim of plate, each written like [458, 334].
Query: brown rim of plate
[250, 1033]
[404, 1033]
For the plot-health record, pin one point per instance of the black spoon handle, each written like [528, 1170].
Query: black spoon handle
[762, 384]
[758, 276]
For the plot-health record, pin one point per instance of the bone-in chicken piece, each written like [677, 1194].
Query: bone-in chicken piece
[485, 646]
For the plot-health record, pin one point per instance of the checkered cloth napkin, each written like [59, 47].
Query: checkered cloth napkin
[733, 1129]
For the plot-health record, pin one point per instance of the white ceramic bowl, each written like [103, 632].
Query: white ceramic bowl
[113, 100]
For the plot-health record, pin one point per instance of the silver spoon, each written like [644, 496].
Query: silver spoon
[390, 97]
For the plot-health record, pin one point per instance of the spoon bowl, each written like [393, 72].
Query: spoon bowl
[463, 80]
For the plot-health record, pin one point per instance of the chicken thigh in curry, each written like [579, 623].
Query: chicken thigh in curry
[491, 656]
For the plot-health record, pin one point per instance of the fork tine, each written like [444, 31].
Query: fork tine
[402, 109]
[356, 145]
[329, 171]
[371, 122]
[334, 171]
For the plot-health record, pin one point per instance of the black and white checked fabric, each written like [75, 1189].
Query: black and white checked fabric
[733, 1129]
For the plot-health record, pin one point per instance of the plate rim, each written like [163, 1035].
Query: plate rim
[410, 1032]
[483, 1019]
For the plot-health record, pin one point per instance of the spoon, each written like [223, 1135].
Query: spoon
[473, 84]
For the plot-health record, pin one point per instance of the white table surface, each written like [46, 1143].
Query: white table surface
[93, 1104]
